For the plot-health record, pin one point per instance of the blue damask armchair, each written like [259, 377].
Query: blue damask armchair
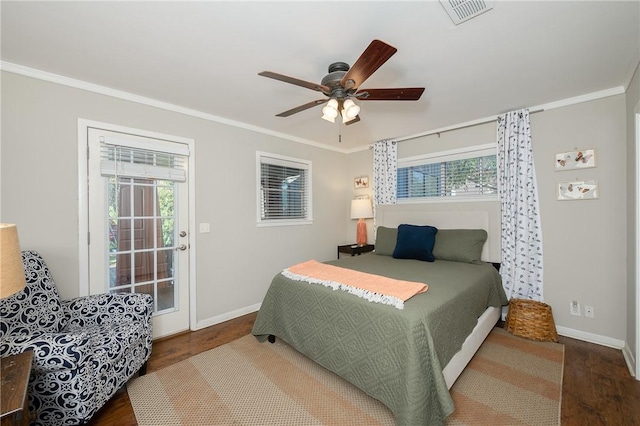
[85, 349]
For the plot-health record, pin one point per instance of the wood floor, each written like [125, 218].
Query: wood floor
[597, 387]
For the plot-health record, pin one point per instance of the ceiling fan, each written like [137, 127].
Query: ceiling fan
[342, 85]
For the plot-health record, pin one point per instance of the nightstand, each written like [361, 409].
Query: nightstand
[354, 249]
[14, 404]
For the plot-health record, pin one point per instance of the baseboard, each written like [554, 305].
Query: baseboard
[226, 316]
[631, 362]
[591, 338]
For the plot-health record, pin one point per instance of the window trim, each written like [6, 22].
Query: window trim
[289, 161]
[449, 155]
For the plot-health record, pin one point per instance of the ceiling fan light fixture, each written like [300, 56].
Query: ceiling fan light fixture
[345, 118]
[350, 109]
[329, 119]
[330, 111]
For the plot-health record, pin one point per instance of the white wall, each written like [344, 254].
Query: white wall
[235, 262]
[584, 241]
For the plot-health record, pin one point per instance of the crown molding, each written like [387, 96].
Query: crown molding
[103, 90]
[619, 90]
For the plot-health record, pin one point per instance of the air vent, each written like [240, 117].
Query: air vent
[463, 10]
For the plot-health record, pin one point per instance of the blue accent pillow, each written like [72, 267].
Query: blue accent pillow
[415, 242]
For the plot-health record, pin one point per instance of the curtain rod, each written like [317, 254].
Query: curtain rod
[449, 129]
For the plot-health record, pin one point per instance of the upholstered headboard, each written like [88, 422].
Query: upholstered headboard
[450, 215]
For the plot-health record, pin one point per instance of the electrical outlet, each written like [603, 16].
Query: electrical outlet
[589, 312]
[574, 308]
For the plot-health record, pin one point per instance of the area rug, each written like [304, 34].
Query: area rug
[510, 381]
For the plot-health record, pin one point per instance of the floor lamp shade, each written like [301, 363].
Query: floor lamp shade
[361, 209]
[11, 270]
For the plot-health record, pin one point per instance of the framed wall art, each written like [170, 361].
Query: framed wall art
[579, 159]
[578, 190]
[361, 182]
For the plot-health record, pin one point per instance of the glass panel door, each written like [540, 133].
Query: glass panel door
[139, 233]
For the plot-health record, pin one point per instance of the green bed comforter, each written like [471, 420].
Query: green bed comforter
[395, 356]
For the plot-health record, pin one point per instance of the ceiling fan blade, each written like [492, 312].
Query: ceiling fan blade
[296, 81]
[376, 54]
[301, 108]
[400, 94]
[355, 120]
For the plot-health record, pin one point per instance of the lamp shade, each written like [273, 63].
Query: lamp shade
[330, 111]
[11, 270]
[350, 109]
[361, 209]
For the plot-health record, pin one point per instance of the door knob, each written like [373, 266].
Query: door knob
[182, 247]
[183, 233]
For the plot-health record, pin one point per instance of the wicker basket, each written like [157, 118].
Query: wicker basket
[532, 320]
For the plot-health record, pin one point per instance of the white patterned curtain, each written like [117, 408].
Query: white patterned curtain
[385, 172]
[521, 268]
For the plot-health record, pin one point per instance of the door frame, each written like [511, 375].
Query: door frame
[83, 203]
[637, 238]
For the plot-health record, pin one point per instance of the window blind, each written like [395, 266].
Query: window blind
[133, 159]
[284, 188]
[468, 173]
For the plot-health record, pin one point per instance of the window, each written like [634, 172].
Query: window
[468, 174]
[142, 193]
[284, 190]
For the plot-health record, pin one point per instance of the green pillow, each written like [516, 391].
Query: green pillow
[460, 245]
[386, 240]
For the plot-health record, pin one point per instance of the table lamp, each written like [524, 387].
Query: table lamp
[361, 209]
[11, 270]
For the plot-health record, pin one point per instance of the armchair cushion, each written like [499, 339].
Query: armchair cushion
[37, 308]
[105, 309]
[52, 351]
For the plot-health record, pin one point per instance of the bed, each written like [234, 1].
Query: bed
[407, 358]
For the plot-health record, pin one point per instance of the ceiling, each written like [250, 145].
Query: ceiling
[206, 56]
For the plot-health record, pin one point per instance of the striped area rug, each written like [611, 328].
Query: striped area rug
[510, 381]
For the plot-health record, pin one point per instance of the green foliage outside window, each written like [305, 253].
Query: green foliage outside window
[476, 176]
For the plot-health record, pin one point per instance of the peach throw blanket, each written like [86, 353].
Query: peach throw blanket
[374, 288]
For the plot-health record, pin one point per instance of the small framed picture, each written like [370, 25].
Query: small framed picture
[578, 190]
[571, 160]
[361, 182]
